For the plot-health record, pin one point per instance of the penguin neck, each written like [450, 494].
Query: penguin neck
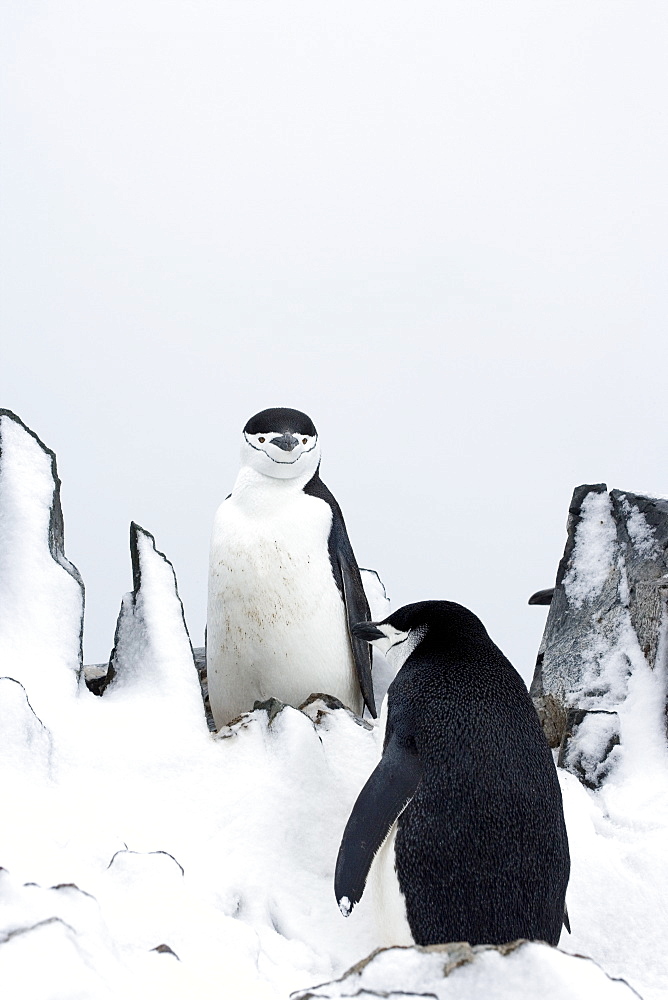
[252, 488]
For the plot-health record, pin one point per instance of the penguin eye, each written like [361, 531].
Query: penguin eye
[262, 440]
[304, 440]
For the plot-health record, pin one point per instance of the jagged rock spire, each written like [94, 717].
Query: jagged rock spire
[41, 591]
[152, 656]
[607, 620]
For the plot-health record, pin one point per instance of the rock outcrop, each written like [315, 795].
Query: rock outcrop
[41, 591]
[607, 621]
[152, 650]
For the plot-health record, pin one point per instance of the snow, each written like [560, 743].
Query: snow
[459, 972]
[143, 856]
[641, 533]
[41, 595]
[152, 649]
[594, 548]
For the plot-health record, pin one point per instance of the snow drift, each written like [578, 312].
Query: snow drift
[144, 856]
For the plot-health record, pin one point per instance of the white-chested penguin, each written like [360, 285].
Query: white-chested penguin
[480, 845]
[284, 586]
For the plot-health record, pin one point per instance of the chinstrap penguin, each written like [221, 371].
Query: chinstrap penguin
[480, 845]
[284, 586]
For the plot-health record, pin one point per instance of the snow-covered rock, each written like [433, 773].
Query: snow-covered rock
[605, 634]
[41, 591]
[460, 972]
[374, 588]
[600, 689]
[152, 651]
[26, 745]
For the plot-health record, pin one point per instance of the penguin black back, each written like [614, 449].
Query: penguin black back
[481, 851]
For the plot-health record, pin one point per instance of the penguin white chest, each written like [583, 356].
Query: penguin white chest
[276, 622]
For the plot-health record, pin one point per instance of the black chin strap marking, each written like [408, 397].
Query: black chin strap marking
[275, 460]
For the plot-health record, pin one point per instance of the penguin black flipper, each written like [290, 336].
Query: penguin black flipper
[356, 605]
[382, 800]
[347, 576]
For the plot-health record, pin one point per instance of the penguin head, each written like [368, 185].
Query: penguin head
[445, 622]
[281, 443]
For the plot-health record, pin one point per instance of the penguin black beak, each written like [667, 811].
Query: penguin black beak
[368, 631]
[286, 442]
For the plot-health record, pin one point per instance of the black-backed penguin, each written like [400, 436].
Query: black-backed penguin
[284, 586]
[480, 846]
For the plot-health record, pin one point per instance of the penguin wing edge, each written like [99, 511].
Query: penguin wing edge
[357, 610]
[380, 803]
[349, 582]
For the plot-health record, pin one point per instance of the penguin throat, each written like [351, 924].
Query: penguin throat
[250, 481]
[398, 645]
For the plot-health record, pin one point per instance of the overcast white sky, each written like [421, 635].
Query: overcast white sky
[439, 228]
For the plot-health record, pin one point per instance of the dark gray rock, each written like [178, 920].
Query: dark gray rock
[164, 949]
[319, 705]
[542, 596]
[199, 653]
[97, 677]
[607, 616]
[272, 706]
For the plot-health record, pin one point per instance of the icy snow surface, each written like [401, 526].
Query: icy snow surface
[640, 531]
[41, 595]
[144, 857]
[593, 550]
[459, 972]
